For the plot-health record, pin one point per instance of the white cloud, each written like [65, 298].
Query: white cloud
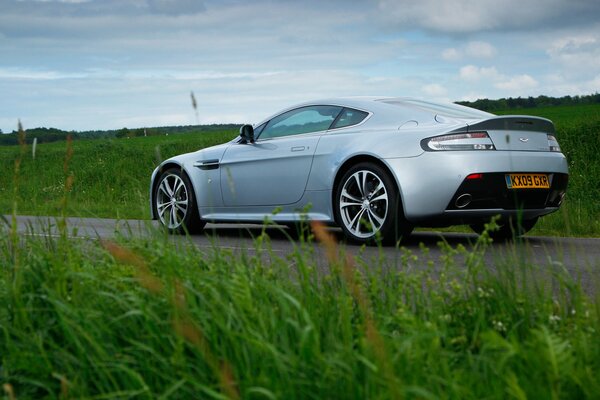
[594, 85]
[472, 96]
[37, 74]
[475, 49]
[473, 73]
[480, 50]
[572, 45]
[517, 84]
[451, 54]
[578, 54]
[558, 84]
[434, 90]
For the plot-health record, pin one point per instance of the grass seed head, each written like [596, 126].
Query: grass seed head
[128, 257]
[10, 393]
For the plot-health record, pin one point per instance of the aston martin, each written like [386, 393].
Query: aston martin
[376, 167]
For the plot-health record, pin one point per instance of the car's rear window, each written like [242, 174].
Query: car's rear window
[447, 110]
[349, 117]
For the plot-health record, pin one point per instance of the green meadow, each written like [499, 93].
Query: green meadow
[110, 177]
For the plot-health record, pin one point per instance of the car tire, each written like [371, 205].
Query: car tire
[367, 206]
[175, 204]
[508, 229]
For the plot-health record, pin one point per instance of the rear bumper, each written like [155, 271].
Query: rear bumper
[429, 183]
[491, 192]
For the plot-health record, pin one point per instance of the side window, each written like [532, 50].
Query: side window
[301, 120]
[349, 117]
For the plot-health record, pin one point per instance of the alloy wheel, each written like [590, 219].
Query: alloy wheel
[363, 203]
[172, 201]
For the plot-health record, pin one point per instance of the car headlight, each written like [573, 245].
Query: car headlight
[459, 142]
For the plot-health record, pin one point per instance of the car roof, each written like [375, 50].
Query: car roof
[381, 102]
[394, 110]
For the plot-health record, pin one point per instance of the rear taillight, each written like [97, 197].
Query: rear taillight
[474, 176]
[553, 143]
[459, 142]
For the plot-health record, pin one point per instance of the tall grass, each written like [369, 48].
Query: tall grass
[156, 318]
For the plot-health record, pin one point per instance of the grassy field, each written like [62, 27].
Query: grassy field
[158, 318]
[111, 176]
[155, 319]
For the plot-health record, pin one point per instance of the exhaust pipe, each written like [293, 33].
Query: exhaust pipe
[463, 200]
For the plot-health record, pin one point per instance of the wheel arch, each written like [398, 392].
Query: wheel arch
[349, 163]
[155, 180]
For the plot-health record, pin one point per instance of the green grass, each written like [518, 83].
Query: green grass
[150, 318]
[111, 176]
[562, 116]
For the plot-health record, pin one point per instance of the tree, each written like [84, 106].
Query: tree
[122, 133]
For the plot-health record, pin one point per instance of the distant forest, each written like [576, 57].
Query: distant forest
[512, 103]
[46, 135]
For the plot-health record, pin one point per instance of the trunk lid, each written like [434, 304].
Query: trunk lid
[516, 132]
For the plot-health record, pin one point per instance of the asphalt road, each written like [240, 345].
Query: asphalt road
[580, 257]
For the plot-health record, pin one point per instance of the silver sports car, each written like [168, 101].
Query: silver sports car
[375, 167]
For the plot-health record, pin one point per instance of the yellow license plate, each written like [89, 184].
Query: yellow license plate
[527, 181]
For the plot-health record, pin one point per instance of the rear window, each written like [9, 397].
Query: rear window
[349, 117]
[447, 110]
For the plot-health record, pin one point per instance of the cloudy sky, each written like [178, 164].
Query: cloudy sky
[107, 64]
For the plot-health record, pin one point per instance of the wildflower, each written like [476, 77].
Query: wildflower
[499, 326]
[554, 319]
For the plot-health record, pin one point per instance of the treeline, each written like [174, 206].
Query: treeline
[125, 132]
[530, 102]
[47, 135]
[43, 135]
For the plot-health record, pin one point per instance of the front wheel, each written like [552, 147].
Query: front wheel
[175, 204]
[507, 229]
[367, 205]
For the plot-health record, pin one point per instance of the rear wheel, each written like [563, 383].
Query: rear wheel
[175, 204]
[367, 205]
[507, 229]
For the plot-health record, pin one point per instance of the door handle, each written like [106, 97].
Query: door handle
[298, 148]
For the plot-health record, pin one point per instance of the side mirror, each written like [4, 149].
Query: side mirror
[247, 134]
